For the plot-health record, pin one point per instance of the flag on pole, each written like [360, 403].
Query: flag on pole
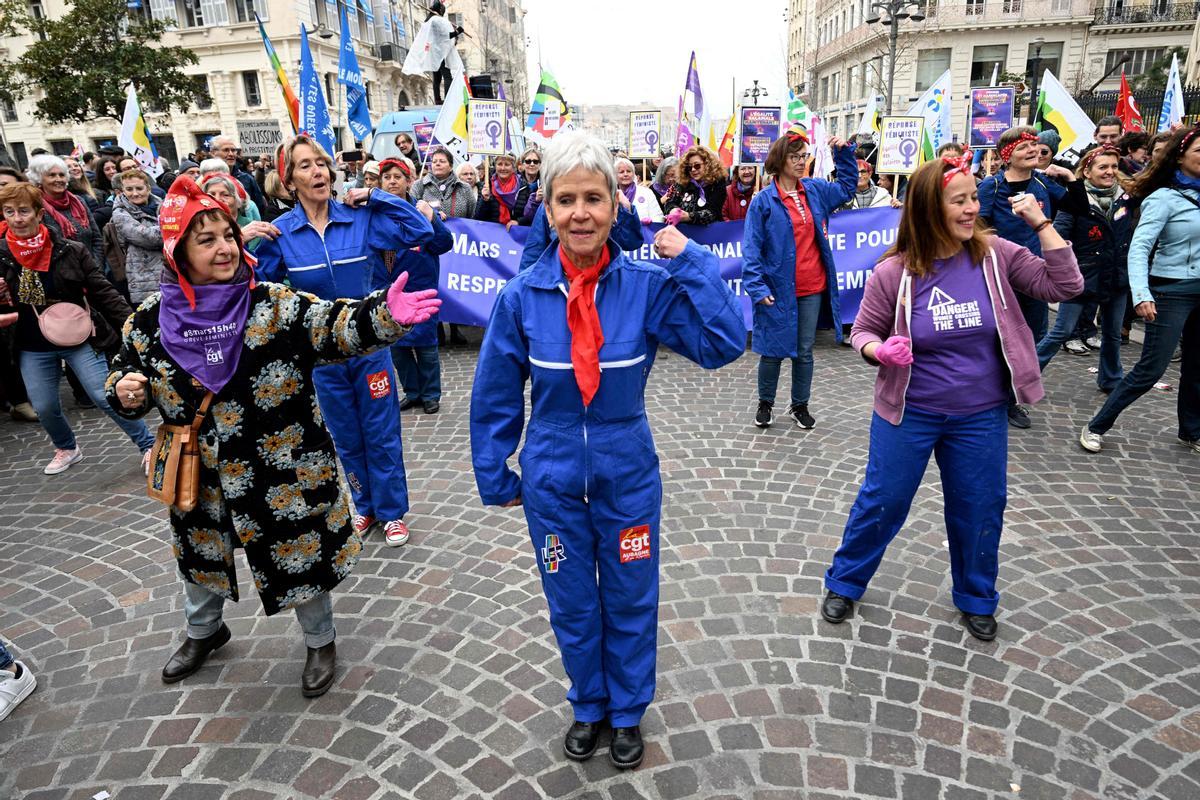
[1058, 111]
[820, 150]
[798, 111]
[696, 126]
[995, 75]
[314, 114]
[1172, 106]
[869, 125]
[77, 151]
[934, 106]
[549, 113]
[450, 130]
[349, 75]
[684, 138]
[289, 97]
[135, 136]
[725, 152]
[1127, 109]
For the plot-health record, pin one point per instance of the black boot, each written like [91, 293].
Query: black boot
[626, 750]
[982, 626]
[319, 669]
[581, 740]
[192, 654]
[836, 608]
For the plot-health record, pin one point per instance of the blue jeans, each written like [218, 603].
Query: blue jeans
[1087, 320]
[1177, 321]
[420, 372]
[6, 658]
[1112, 313]
[1036, 313]
[808, 311]
[972, 455]
[203, 611]
[42, 374]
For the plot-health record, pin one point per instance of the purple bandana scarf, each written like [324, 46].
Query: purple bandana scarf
[630, 191]
[205, 341]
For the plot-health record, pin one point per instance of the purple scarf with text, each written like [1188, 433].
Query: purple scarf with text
[206, 341]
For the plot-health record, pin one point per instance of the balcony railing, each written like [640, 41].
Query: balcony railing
[1148, 13]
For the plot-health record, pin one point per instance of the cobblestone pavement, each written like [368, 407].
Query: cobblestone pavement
[450, 685]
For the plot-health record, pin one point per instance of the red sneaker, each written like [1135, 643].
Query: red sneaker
[395, 533]
[362, 524]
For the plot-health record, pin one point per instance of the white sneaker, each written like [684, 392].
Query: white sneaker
[14, 688]
[63, 459]
[1092, 442]
[146, 462]
[395, 533]
[1076, 348]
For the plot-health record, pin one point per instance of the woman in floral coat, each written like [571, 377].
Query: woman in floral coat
[268, 474]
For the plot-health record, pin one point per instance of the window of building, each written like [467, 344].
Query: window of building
[930, 66]
[1140, 61]
[164, 145]
[251, 87]
[931, 8]
[835, 86]
[204, 140]
[852, 81]
[19, 155]
[9, 110]
[200, 92]
[974, 8]
[984, 60]
[62, 147]
[244, 10]
[825, 90]
[164, 11]
[1013, 6]
[1051, 59]
[39, 13]
[367, 92]
[329, 88]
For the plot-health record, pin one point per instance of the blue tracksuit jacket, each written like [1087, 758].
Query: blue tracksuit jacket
[590, 482]
[423, 268]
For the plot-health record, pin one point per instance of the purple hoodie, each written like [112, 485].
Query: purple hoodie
[1008, 268]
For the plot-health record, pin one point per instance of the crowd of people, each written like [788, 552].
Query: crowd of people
[284, 307]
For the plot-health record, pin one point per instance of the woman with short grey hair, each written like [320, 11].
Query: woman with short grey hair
[664, 177]
[49, 173]
[641, 198]
[590, 484]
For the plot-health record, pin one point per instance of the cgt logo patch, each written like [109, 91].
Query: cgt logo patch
[379, 384]
[635, 543]
[553, 554]
[212, 354]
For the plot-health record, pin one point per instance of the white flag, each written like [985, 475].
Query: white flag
[869, 125]
[822, 154]
[1172, 106]
[934, 106]
[135, 137]
[450, 130]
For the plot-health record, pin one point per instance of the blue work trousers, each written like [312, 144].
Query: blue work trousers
[972, 455]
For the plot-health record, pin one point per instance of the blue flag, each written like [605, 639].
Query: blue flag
[356, 91]
[314, 114]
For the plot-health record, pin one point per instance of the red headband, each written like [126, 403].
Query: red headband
[1007, 151]
[388, 163]
[959, 165]
[1096, 152]
[796, 133]
[1188, 138]
[865, 166]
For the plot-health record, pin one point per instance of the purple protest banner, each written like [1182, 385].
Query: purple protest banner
[485, 257]
[991, 114]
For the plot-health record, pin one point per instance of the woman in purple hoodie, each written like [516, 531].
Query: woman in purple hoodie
[932, 315]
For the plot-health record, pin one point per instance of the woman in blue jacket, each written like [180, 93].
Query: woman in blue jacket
[590, 483]
[416, 360]
[332, 249]
[788, 267]
[1164, 279]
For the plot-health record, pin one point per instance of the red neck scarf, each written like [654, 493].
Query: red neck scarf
[583, 320]
[506, 193]
[32, 253]
[69, 209]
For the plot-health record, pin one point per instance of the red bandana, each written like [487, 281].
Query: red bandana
[1008, 149]
[32, 253]
[583, 320]
[502, 190]
[1096, 152]
[959, 165]
[185, 200]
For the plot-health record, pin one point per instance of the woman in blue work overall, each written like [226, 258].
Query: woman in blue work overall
[331, 249]
[590, 484]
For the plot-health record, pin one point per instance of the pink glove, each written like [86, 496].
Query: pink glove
[895, 352]
[674, 215]
[411, 308]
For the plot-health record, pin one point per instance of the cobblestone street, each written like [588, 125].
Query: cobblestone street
[450, 685]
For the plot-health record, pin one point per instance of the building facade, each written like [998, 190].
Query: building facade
[233, 77]
[841, 60]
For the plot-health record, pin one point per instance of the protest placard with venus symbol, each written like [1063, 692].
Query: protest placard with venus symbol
[759, 130]
[900, 145]
[485, 127]
[645, 128]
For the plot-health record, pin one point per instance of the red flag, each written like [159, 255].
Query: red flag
[725, 152]
[1127, 110]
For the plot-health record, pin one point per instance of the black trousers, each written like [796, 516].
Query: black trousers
[442, 75]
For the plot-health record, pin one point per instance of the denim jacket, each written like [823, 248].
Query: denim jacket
[1170, 230]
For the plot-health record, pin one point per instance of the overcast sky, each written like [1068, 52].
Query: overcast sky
[631, 52]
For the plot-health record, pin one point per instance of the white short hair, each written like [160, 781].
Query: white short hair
[227, 181]
[573, 150]
[210, 165]
[215, 141]
[622, 160]
[39, 165]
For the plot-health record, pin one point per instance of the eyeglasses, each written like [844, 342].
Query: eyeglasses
[796, 158]
[532, 161]
[696, 165]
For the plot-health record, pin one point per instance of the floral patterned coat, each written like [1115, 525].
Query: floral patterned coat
[268, 472]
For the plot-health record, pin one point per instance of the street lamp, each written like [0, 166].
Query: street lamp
[754, 93]
[895, 10]
[1033, 80]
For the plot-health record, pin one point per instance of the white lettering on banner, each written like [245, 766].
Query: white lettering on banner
[949, 314]
[465, 246]
[856, 279]
[473, 284]
[875, 238]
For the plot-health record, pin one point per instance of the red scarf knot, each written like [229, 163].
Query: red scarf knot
[583, 320]
[32, 253]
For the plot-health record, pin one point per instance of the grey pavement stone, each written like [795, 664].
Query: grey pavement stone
[450, 684]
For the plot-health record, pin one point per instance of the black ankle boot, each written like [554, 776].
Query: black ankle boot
[192, 654]
[319, 669]
[581, 740]
[626, 749]
[835, 608]
[982, 626]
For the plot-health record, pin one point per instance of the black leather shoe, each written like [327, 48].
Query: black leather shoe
[192, 654]
[581, 740]
[319, 670]
[432, 406]
[409, 402]
[835, 608]
[981, 626]
[626, 749]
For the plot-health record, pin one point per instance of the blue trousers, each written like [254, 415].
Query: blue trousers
[1177, 322]
[358, 401]
[1037, 315]
[808, 311]
[593, 510]
[972, 455]
[420, 372]
[6, 658]
[203, 610]
[42, 373]
[1112, 314]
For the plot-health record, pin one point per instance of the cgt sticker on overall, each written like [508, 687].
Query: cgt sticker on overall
[379, 384]
[635, 543]
[553, 554]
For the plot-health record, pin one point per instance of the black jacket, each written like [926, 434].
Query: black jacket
[687, 199]
[1101, 246]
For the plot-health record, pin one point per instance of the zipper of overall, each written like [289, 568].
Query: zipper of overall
[586, 451]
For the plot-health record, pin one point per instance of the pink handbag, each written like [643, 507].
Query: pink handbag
[66, 324]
